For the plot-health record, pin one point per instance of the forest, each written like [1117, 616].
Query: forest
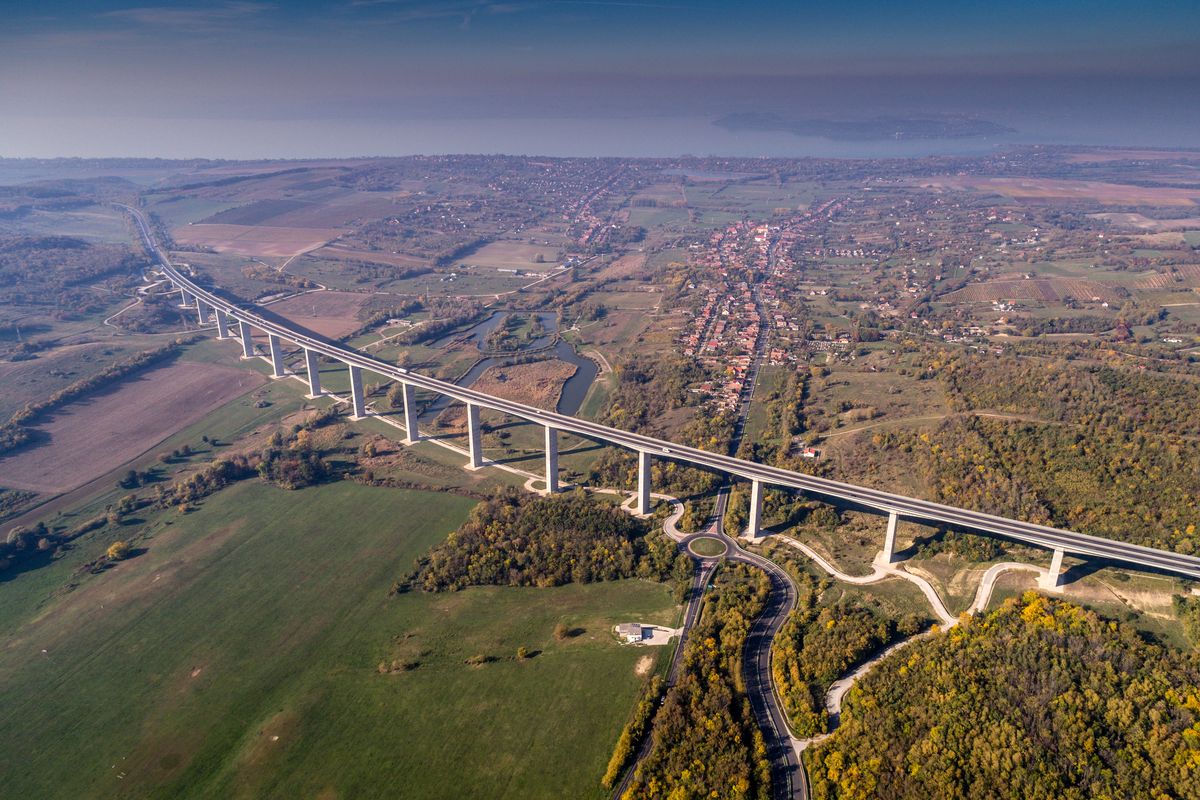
[1102, 481]
[1038, 699]
[705, 742]
[1061, 391]
[828, 634]
[1090, 447]
[518, 539]
[818, 645]
[444, 316]
[53, 270]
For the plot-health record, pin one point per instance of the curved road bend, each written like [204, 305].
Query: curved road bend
[788, 781]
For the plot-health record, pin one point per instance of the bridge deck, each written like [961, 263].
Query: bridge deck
[886, 502]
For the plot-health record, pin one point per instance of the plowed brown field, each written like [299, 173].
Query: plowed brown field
[254, 240]
[99, 433]
[331, 314]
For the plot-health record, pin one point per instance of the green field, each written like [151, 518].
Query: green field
[707, 546]
[237, 656]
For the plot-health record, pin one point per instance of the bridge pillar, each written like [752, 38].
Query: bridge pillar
[888, 554]
[313, 367]
[1052, 580]
[551, 460]
[201, 310]
[409, 393]
[222, 324]
[754, 524]
[247, 342]
[185, 299]
[277, 368]
[644, 478]
[474, 437]
[357, 398]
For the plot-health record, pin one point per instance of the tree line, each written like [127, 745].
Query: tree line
[518, 539]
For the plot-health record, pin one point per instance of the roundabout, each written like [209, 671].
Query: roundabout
[707, 547]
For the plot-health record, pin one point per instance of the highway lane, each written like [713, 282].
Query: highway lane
[787, 777]
[907, 507]
[788, 781]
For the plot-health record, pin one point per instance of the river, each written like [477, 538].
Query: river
[574, 390]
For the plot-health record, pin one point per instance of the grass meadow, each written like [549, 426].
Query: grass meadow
[238, 653]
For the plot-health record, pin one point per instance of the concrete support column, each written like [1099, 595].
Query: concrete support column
[1052, 580]
[277, 368]
[247, 342]
[754, 525]
[185, 299]
[313, 367]
[222, 324]
[201, 310]
[644, 480]
[888, 554]
[409, 393]
[551, 460]
[474, 436]
[357, 397]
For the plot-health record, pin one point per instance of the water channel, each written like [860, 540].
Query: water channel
[574, 390]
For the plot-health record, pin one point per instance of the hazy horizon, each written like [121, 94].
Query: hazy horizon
[587, 77]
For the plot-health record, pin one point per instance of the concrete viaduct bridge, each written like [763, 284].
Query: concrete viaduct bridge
[230, 316]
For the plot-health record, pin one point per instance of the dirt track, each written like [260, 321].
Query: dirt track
[99, 433]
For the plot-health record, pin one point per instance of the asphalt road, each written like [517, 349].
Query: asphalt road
[788, 781]
[787, 773]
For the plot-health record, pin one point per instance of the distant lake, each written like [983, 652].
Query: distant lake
[567, 136]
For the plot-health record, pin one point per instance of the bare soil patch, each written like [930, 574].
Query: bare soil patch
[331, 314]
[1047, 189]
[339, 253]
[538, 384]
[259, 240]
[99, 433]
[628, 266]
[1140, 222]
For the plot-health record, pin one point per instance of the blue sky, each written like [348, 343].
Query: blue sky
[421, 59]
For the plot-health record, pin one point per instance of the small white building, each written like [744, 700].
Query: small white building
[630, 631]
